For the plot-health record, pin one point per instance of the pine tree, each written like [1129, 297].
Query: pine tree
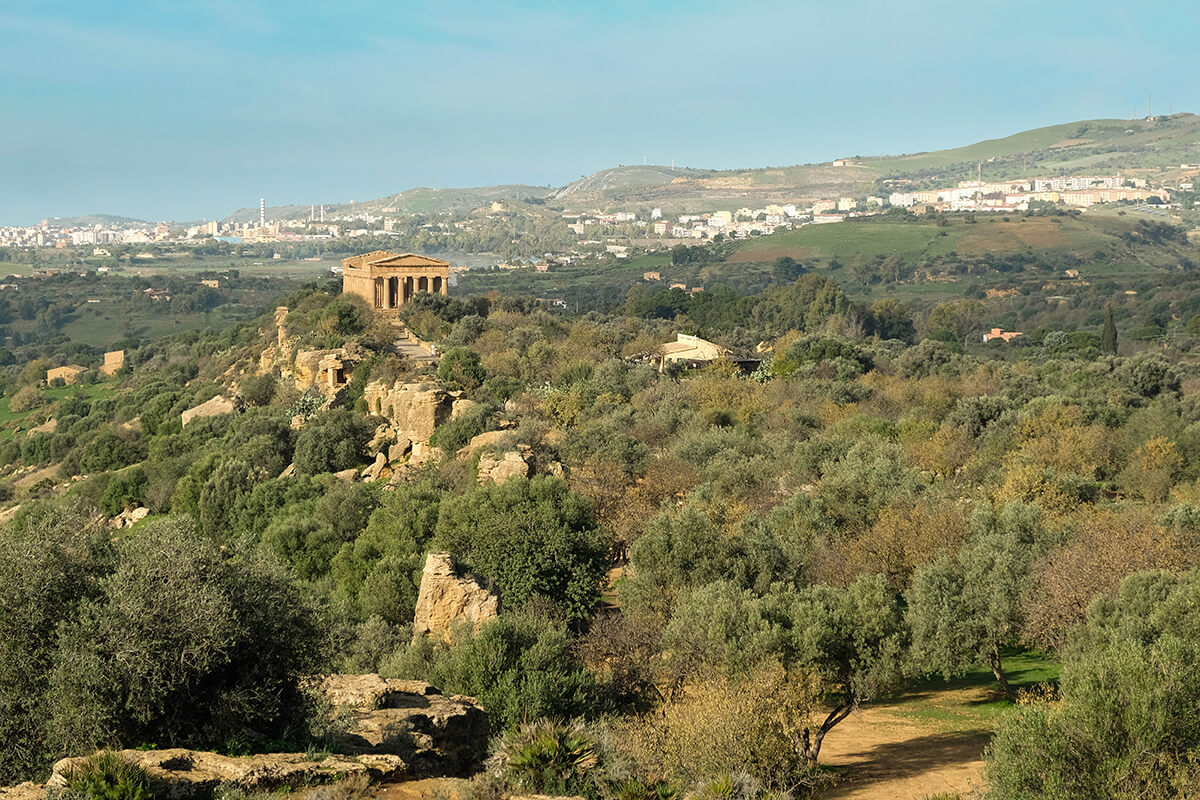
[1108, 338]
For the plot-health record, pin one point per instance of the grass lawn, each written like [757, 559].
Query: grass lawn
[844, 240]
[942, 701]
[9, 420]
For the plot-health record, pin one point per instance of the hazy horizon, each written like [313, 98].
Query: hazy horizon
[191, 110]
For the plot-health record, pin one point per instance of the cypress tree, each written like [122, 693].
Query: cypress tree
[1108, 338]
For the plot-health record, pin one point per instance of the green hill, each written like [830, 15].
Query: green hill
[1100, 145]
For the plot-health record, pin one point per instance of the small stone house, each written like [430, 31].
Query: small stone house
[69, 373]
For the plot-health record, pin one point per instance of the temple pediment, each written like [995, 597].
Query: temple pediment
[409, 260]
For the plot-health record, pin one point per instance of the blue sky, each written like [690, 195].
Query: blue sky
[183, 109]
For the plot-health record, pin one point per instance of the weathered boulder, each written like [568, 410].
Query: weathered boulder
[378, 469]
[399, 449]
[499, 468]
[326, 370]
[347, 475]
[383, 436]
[413, 409]
[49, 426]
[435, 734]
[23, 791]
[488, 439]
[421, 454]
[191, 774]
[445, 598]
[461, 406]
[129, 517]
[212, 408]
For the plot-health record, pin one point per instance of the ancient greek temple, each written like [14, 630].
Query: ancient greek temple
[390, 280]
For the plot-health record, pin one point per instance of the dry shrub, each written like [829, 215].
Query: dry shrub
[755, 725]
[906, 535]
[1108, 546]
[26, 398]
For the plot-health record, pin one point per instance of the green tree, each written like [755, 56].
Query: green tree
[786, 269]
[851, 641]
[332, 441]
[959, 318]
[460, 368]
[51, 561]
[1125, 725]
[529, 539]
[964, 610]
[1108, 337]
[520, 669]
[176, 621]
[379, 571]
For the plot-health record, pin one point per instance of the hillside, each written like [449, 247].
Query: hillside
[421, 200]
[1148, 147]
[105, 220]
[1100, 145]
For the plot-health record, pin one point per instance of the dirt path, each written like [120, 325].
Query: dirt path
[893, 755]
[926, 743]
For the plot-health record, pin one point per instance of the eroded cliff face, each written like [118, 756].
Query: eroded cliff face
[445, 598]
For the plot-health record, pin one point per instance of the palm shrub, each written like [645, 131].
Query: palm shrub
[107, 776]
[549, 757]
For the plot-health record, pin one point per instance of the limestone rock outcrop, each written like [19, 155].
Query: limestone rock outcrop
[180, 774]
[129, 517]
[488, 439]
[446, 598]
[497, 468]
[435, 734]
[212, 408]
[413, 409]
[23, 791]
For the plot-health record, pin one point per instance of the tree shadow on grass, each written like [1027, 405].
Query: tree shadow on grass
[908, 758]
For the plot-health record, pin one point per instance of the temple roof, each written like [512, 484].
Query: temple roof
[382, 258]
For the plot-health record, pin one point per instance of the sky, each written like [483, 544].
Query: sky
[189, 109]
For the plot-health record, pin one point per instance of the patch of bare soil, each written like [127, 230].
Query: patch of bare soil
[427, 789]
[890, 754]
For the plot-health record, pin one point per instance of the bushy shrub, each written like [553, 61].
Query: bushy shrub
[27, 398]
[460, 368]
[1125, 725]
[519, 667]
[548, 757]
[754, 725]
[454, 434]
[125, 490]
[259, 390]
[529, 539]
[331, 442]
[177, 620]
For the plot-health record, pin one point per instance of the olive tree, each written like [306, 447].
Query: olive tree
[964, 610]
